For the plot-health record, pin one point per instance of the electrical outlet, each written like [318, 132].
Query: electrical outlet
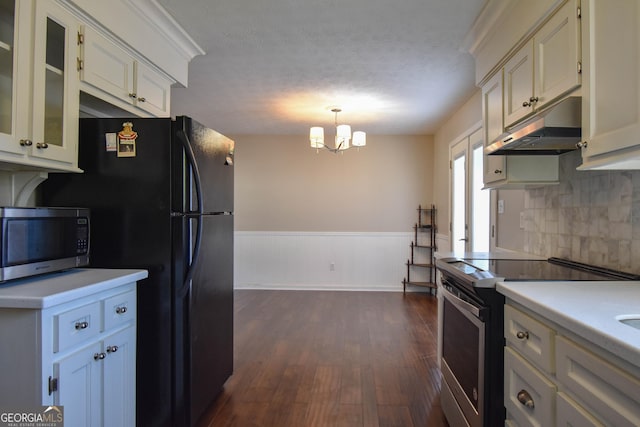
[500, 206]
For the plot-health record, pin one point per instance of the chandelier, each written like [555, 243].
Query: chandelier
[343, 136]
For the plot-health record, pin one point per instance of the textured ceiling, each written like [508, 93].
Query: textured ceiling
[278, 66]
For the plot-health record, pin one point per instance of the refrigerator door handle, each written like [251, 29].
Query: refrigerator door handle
[184, 139]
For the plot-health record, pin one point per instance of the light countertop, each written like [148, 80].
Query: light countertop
[501, 254]
[56, 288]
[588, 309]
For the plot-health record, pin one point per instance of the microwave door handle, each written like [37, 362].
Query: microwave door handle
[188, 149]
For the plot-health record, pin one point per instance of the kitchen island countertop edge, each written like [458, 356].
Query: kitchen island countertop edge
[587, 309]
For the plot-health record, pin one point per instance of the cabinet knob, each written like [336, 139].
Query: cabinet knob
[133, 95]
[522, 335]
[525, 398]
[582, 144]
[142, 99]
[42, 145]
[121, 310]
[112, 349]
[99, 356]
[26, 142]
[530, 102]
[82, 325]
[497, 171]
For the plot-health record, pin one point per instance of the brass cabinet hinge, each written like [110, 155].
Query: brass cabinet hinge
[579, 12]
[579, 67]
[80, 64]
[80, 38]
[53, 385]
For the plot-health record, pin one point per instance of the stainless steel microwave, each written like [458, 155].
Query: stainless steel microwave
[42, 240]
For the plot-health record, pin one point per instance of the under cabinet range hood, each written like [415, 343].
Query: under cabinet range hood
[553, 131]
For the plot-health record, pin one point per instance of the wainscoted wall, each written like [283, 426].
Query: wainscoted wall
[297, 212]
[592, 217]
[321, 260]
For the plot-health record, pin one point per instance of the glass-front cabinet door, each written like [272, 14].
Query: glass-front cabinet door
[55, 84]
[15, 76]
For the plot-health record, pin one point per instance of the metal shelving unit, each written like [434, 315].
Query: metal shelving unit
[423, 248]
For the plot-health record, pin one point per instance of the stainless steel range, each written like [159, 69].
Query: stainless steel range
[472, 325]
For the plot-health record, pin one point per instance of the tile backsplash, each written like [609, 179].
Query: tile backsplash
[591, 217]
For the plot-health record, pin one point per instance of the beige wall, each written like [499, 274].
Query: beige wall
[465, 120]
[281, 184]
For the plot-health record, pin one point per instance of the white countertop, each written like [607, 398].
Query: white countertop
[588, 309]
[501, 254]
[56, 288]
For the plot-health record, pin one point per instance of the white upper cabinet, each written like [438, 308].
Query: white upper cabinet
[15, 61]
[557, 55]
[518, 86]
[38, 86]
[611, 97]
[545, 68]
[55, 86]
[494, 166]
[42, 75]
[510, 171]
[116, 75]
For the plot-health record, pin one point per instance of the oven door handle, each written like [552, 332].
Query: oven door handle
[463, 305]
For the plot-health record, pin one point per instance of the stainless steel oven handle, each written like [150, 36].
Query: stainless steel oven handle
[462, 305]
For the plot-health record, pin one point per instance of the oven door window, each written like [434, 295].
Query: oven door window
[462, 349]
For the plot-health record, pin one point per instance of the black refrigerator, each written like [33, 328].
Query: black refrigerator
[161, 198]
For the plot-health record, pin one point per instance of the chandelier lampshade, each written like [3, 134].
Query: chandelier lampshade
[359, 139]
[316, 136]
[344, 139]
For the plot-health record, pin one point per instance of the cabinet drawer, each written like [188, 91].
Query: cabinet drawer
[531, 338]
[119, 309]
[611, 393]
[529, 396]
[76, 325]
[570, 414]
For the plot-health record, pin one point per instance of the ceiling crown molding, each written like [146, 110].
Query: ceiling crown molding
[491, 13]
[165, 24]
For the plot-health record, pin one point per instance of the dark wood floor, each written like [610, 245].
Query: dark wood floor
[316, 359]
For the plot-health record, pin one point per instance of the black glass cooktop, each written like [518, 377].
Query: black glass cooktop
[551, 269]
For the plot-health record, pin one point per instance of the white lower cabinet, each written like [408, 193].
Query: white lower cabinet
[79, 354]
[529, 396]
[611, 392]
[551, 380]
[570, 414]
[96, 385]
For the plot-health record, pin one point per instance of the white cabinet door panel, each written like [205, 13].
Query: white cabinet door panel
[107, 66]
[80, 385]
